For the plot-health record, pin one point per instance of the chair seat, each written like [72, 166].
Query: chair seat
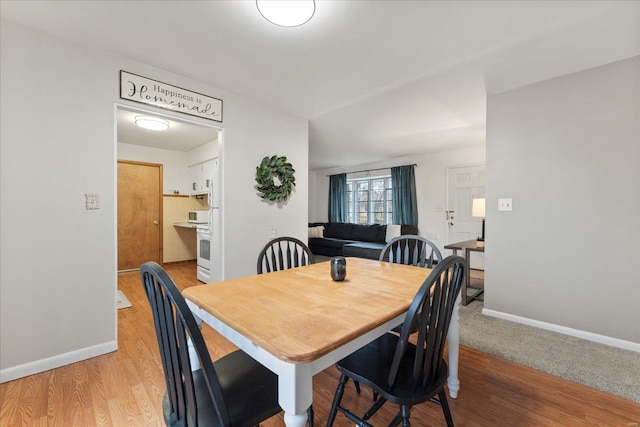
[242, 380]
[371, 366]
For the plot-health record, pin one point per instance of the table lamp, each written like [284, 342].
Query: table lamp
[477, 210]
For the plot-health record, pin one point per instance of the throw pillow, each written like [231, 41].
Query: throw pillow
[316, 231]
[393, 231]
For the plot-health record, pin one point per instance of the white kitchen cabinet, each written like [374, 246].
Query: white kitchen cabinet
[202, 176]
[195, 172]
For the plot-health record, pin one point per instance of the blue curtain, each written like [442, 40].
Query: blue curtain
[403, 187]
[338, 198]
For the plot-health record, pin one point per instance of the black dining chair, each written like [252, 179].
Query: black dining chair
[401, 372]
[410, 249]
[283, 253]
[233, 391]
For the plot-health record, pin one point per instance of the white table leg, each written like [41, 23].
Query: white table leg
[193, 357]
[295, 393]
[454, 350]
[295, 420]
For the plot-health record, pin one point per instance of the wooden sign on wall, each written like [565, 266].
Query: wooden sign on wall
[141, 89]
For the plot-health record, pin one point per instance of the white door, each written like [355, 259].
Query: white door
[465, 184]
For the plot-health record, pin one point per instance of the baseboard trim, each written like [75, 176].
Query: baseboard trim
[589, 336]
[31, 368]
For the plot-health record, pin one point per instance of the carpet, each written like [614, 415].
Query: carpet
[123, 302]
[610, 369]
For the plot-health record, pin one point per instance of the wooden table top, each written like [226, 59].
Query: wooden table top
[300, 314]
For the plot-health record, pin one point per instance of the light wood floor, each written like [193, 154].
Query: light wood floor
[125, 388]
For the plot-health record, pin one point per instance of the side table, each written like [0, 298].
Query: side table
[468, 246]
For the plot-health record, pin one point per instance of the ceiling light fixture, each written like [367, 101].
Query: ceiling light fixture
[152, 123]
[287, 13]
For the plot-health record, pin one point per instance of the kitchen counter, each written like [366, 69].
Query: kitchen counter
[186, 225]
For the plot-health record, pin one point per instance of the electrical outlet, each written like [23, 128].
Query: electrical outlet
[92, 201]
[271, 234]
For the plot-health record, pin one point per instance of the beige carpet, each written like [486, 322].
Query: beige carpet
[610, 369]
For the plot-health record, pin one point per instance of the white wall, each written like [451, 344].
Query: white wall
[247, 217]
[203, 153]
[174, 170]
[567, 151]
[57, 260]
[431, 187]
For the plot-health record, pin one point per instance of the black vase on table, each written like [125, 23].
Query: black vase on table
[338, 268]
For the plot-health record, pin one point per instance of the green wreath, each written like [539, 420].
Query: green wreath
[275, 167]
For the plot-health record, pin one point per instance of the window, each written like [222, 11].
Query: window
[369, 200]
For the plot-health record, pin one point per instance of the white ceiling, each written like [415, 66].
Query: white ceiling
[376, 79]
[181, 135]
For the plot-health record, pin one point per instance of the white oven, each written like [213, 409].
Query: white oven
[208, 235]
[205, 253]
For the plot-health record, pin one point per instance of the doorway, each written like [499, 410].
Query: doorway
[464, 184]
[139, 214]
[174, 150]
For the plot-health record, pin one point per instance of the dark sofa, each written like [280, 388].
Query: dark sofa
[356, 240]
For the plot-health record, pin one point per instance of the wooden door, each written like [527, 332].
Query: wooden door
[139, 214]
[465, 184]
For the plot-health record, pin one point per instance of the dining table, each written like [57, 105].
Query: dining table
[298, 322]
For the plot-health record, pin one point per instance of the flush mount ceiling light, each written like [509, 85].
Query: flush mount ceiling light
[287, 13]
[152, 123]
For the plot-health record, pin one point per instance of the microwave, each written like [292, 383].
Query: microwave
[199, 217]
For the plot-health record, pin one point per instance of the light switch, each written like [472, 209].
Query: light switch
[505, 205]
